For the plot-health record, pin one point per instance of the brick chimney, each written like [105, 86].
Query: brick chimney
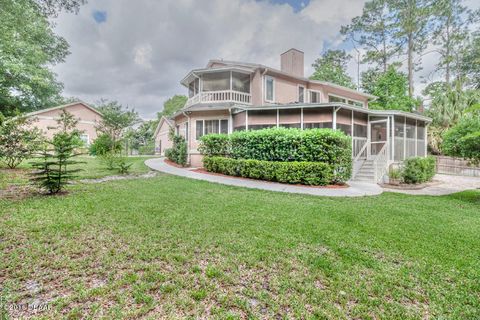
[291, 62]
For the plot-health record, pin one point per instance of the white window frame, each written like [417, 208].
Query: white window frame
[210, 119]
[304, 95]
[87, 143]
[310, 96]
[273, 88]
[347, 99]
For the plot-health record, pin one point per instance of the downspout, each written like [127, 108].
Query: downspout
[189, 133]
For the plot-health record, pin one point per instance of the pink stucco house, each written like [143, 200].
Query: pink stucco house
[88, 118]
[226, 96]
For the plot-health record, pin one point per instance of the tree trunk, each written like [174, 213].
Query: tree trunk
[410, 65]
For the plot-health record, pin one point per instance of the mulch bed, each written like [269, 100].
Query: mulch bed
[173, 163]
[330, 186]
[406, 186]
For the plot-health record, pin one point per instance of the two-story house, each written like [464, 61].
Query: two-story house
[226, 96]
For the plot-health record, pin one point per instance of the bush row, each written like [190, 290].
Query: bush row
[285, 145]
[418, 170]
[308, 173]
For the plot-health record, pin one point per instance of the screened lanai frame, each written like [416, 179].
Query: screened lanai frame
[407, 132]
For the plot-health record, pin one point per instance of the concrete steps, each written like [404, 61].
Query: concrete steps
[366, 172]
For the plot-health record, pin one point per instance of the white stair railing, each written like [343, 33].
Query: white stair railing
[380, 163]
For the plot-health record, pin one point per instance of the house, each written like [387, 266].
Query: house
[161, 135]
[226, 96]
[88, 118]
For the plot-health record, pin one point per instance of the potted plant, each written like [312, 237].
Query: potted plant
[395, 176]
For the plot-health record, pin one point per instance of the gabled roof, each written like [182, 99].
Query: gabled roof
[62, 107]
[162, 120]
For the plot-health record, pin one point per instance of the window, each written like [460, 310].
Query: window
[224, 126]
[204, 127]
[177, 129]
[301, 94]
[355, 103]
[314, 97]
[193, 88]
[269, 89]
[241, 82]
[85, 139]
[290, 125]
[216, 81]
[199, 129]
[317, 125]
[336, 99]
[211, 126]
[261, 126]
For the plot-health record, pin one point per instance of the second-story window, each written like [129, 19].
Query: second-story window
[314, 97]
[216, 81]
[269, 89]
[301, 94]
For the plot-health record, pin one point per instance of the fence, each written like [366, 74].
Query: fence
[456, 166]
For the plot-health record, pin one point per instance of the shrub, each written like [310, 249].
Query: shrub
[147, 149]
[17, 141]
[286, 145]
[418, 170]
[463, 140]
[215, 145]
[114, 161]
[178, 152]
[309, 173]
[103, 145]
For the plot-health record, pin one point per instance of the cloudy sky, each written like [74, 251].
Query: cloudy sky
[136, 52]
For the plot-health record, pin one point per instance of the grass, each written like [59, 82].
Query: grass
[171, 247]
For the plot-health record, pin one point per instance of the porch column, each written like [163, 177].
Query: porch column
[405, 138]
[369, 138]
[388, 134]
[351, 134]
[301, 118]
[278, 118]
[246, 120]
[334, 122]
[416, 140]
[230, 122]
[425, 138]
[393, 137]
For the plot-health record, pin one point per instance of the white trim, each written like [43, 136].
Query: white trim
[310, 91]
[63, 107]
[88, 138]
[210, 119]
[267, 77]
[58, 118]
[301, 118]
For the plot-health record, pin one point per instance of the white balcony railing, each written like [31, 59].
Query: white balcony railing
[220, 96]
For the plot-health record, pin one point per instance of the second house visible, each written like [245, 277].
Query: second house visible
[227, 96]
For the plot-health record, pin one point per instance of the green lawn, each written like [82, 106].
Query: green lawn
[172, 247]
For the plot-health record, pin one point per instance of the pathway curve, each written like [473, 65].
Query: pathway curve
[356, 189]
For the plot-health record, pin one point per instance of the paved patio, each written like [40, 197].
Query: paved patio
[356, 189]
[448, 184]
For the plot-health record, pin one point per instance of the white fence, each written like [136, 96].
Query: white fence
[456, 166]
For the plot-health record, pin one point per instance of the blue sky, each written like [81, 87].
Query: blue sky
[99, 16]
[297, 5]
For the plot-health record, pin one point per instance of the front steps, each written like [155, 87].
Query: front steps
[366, 172]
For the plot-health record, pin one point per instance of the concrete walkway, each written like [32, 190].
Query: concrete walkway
[448, 184]
[356, 189]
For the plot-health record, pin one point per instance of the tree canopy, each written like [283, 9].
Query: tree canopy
[332, 67]
[172, 105]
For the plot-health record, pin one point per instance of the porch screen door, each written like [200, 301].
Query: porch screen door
[378, 136]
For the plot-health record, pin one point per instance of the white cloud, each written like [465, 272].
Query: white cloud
[145, 47]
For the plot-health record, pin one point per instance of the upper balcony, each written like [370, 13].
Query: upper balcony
[219, 85]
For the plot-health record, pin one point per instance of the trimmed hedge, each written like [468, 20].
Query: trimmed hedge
[178, 152]
[328, 146]
[418, 170]
[309, 173]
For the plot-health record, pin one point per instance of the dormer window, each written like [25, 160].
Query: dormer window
[269, 89]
